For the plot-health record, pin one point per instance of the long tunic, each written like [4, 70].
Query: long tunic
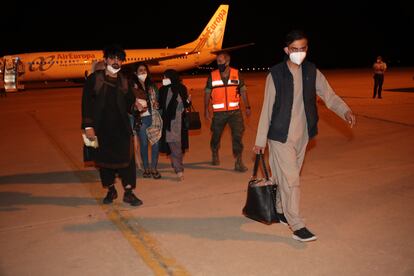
[107, 113]
[175, 134]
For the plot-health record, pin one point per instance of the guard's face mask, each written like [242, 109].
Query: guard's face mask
[221, 67]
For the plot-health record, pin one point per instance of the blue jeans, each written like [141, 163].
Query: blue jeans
[143, 141]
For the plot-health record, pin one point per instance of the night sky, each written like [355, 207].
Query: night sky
[351, 34]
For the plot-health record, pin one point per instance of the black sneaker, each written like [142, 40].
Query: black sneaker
[155, 174]
[146, 173]
[110, 196]
[303, 235]
[130, 198]
[282, 218]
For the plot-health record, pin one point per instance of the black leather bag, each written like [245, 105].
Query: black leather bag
[193, 121]
[261, 196]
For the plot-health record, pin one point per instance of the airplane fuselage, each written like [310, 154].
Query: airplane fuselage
[75, 64]
[44, 66]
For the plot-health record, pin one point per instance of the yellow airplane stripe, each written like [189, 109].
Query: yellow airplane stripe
[140, 239]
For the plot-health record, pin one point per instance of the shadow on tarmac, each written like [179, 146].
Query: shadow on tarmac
[9, 201]
[211, 228]
[58, 177]
[64, 177]
[402, 89]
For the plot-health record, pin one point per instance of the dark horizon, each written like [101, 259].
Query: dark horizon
[348, 36]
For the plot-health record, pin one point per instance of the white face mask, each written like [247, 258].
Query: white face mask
[112, 70]
[297, 57]
[142, 77]
[166, 81]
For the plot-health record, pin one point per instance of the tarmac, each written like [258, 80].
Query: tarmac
[357, 194]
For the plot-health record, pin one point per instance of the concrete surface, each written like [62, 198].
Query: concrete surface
[357, 194]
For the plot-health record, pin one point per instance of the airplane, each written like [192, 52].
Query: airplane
[45, 66]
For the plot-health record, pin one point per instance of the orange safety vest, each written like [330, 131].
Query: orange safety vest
[225, 97]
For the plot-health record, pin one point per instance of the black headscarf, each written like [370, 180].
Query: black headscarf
[177, 88]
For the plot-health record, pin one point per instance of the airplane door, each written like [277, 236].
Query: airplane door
[1, 73]
[13, 69]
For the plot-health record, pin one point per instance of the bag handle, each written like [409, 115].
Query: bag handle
[260, 157]
[191, 107]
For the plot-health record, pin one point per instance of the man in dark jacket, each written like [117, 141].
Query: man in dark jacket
[107, 98]
[288, 120]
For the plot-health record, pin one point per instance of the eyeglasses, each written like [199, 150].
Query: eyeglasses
[302, 49]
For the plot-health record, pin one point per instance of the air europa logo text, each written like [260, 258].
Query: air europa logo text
[75, 56]
[210, 29]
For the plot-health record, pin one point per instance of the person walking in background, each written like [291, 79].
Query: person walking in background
[224, 89]
[106, 101]
[174, 100]
[150, 120]
[288, 120]
[379, 69]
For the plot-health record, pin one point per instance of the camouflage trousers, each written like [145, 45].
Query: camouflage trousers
[235, 120]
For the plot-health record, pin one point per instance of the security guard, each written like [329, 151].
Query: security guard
[224, 89]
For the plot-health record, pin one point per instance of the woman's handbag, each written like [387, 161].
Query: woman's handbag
[261, 196]
[193, 118]
[154, 131]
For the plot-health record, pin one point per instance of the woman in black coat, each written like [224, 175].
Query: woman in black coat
[174, 100]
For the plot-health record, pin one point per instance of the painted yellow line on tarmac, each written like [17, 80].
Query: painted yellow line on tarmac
[140, 239]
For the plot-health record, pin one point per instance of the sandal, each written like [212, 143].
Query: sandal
[155, 174]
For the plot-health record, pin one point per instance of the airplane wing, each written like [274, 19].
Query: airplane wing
[229, 49]
[129, 68]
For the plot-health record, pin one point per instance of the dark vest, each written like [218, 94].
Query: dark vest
[282, 108]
